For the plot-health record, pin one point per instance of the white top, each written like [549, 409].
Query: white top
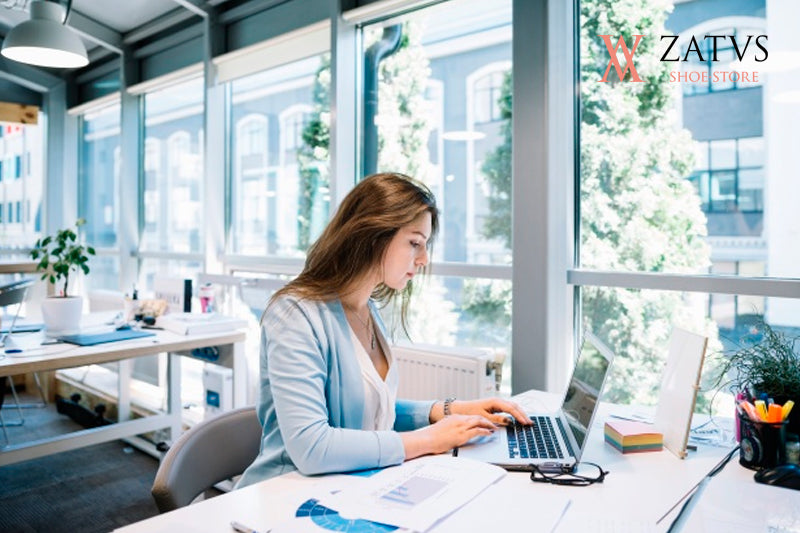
[379, 395]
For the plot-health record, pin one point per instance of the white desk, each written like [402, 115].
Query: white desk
[17, 266]
[53, 357]
[640, 487]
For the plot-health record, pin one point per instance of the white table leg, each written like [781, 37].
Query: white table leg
[125, 371]
[174, 395]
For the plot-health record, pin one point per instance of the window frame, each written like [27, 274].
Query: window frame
[710, 169]
[80, 113]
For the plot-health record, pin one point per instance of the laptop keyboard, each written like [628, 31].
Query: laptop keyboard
[533, 442]
[564, 438]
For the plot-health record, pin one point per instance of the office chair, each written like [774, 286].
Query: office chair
[212, 451]
[14, 294]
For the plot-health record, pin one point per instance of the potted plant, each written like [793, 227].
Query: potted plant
[59, 256]
[766, 363]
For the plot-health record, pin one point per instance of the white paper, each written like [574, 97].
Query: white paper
[417, 494]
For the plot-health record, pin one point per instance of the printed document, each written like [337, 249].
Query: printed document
[417, 494]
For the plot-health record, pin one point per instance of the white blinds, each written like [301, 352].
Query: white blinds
[305, 42]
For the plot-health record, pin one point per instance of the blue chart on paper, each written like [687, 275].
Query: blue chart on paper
[331, 520]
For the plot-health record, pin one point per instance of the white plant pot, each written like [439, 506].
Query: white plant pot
[62, 316]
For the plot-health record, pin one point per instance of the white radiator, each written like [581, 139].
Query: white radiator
[436, 372]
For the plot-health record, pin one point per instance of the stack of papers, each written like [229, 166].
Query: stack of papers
[416, 494]
[413, 496]
[628, 436]
[192, 323]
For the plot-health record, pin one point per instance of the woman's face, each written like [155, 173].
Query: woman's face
[407, 252]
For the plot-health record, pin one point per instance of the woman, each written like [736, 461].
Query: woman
[328, 382]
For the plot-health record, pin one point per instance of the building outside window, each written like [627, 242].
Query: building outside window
[280, 194]
[729, 175]
[726, 55]
[98, 192]
[21, 184]
[487, 91]
[488, 88]
[173, 182]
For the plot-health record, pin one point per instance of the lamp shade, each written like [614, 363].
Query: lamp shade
[44, 41]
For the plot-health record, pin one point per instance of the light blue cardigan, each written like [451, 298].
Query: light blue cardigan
[312, 396]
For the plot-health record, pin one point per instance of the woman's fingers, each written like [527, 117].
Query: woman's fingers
[477, 432]
[478, 421]
[519, 415]
[466, 422]
[501, 419]
[513, 409]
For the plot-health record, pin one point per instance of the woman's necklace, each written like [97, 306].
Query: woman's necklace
[367, 324]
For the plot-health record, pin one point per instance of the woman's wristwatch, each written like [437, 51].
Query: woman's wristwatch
[447, 403]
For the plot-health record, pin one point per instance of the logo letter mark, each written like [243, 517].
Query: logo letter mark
[612, 52]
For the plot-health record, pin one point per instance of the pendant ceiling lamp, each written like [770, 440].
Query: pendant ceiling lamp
[44, 40]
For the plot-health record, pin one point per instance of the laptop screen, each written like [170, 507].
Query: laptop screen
[586, 385]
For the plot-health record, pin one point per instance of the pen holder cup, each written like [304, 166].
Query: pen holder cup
[762, 444]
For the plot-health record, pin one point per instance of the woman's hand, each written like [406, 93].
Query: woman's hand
[446, 434]
[489, 408]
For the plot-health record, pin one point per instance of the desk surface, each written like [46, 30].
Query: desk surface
[56, 356]
[14, 266]
[639, 489]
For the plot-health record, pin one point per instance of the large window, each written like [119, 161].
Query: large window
[662, 207]
[280, 163]
[173, 163]
[172, 216]
[98, 191]
[681, 191]
[443, 116]
[21, 182]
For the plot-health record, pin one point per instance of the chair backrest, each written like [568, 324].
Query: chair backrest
[212, 451]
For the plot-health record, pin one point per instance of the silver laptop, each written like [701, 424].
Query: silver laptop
[556, 441]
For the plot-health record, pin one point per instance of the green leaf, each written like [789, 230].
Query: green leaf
[67, 255]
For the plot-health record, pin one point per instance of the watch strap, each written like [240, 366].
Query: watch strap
[448, 402]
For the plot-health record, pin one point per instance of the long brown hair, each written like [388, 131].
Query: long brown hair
[357, 237]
